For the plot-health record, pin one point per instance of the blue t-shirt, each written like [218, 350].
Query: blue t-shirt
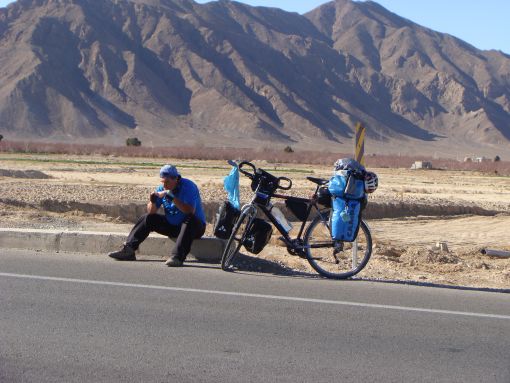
[187, 192]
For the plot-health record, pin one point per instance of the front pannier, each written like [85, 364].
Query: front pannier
[226, 219]
[258, 236]
[298, 208]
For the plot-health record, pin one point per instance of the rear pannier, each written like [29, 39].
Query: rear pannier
[348, 191]
[345, 219]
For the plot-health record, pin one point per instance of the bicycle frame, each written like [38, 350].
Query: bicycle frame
[288, 240]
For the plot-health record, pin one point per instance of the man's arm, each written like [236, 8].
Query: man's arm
[152, 208]
[181, 205]
[184, 207]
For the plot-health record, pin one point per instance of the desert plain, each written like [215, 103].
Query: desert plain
[409, 215]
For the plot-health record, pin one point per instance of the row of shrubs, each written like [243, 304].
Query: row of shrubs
[134, 141]
[271, 155]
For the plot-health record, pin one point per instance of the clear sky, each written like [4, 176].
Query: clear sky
[482, 23]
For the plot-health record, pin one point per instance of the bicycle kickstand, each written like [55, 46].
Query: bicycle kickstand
[339, 247]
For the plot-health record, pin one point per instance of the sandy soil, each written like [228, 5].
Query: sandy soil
[404, 248]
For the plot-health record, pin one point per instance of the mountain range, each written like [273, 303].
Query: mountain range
[175, 72]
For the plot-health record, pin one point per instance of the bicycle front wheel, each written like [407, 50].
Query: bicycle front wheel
[235, 241]
[336, 259]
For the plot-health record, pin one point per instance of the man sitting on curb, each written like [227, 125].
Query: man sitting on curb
[184, 218]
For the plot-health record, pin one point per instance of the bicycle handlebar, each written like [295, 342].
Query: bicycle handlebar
[288, 180]
[251, 175]
[247, 174]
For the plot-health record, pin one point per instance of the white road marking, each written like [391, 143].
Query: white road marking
[260, 296]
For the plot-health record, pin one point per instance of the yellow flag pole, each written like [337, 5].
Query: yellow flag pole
[359, 144]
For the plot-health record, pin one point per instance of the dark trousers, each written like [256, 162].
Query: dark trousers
[192, 228]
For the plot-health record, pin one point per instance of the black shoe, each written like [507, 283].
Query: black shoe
[174, 262]
[125, 254]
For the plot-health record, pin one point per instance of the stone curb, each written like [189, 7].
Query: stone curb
[207, 249]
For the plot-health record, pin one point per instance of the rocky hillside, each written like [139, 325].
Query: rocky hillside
[224, 73]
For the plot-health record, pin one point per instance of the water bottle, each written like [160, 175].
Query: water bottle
[278, 215]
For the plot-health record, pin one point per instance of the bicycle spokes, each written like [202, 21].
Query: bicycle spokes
[336, 259]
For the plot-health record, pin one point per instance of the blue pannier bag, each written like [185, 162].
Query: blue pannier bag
[345, 219]
[346, 185]
[348, 193]
[337, 185]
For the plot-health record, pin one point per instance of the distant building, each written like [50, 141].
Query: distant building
[477, 159]
[421, 165]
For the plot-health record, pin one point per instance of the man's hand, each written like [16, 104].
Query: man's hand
[154, 197]
[169, 195]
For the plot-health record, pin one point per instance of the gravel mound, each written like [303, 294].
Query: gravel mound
[30, 174]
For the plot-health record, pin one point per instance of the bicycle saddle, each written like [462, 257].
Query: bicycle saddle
[318, 181]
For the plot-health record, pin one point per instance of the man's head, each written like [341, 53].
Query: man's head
[169, 177]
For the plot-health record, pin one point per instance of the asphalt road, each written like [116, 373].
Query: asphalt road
[75, 318]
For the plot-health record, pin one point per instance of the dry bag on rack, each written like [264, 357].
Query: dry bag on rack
[226, 219]
[347, 185]
[348, 194]
[258, 236]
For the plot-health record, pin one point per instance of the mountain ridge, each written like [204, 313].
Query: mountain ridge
[225, 73]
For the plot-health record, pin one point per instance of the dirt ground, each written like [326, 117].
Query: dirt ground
[404, 247]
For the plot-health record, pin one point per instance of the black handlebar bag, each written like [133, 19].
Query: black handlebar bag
[258, 236]
[226, 219]
[268, 183]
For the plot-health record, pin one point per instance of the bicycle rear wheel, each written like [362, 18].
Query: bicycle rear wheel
[336, 259]
[235, 241]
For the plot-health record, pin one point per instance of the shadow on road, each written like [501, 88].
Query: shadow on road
[246, 263]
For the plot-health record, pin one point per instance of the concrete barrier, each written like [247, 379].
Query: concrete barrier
[207, 249]
[29, 239]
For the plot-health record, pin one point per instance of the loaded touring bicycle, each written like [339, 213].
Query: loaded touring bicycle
[336, 242]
